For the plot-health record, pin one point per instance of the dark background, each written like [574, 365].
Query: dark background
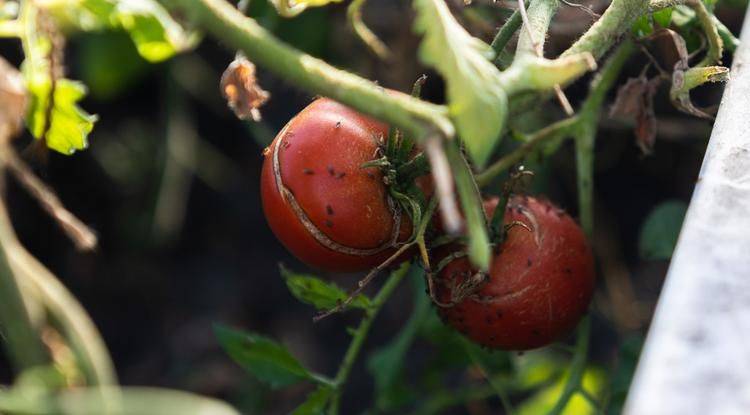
[183, 250]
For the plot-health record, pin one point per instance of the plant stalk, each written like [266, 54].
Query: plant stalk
[361, 334]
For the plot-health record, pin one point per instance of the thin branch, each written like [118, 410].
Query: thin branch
[82, 236]
[616, 20]
[360, 334]
[550, 132]
[504, 35]
[361, 284]
[22, 342]
[715, 45]
[577, 367]
[354, 13]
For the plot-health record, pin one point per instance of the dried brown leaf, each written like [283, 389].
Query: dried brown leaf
[635, 100]
[13, 98]
[239, 86]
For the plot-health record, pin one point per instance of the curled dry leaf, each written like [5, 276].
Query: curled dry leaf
[670, 52]
[635, 100]
[13, 98]
[240, 88]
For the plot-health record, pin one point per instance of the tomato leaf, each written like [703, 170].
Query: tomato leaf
[68, 125]
[317, 293]
[52, 113]
[315, 403]
[291, 8]
[156, 35]
[661, 229]
[264, 358]
[476, 101]
[544, 400]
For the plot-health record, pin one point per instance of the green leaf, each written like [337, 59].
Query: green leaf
[660, 230]
[264, 358]
[155, 34]
[318, 293]
[52, 113]
[476, 100]
[387, 364]
[291, 8]
[663, 17]
[315, 403]
[68, 125]
[544, 400]
[111, 400]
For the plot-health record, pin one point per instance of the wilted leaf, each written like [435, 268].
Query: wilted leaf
[671, 52]
[635, 100]
[12, 98]
[661, 229]
[315, 403]
[291, 8]
[685, 80]
[264, 358]
[240, 88]
[476, 101]
[318, 293]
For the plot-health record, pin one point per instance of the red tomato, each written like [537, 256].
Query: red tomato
[327, 210]
[539, 285]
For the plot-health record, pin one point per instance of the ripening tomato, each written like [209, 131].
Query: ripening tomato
[322, 205]
[539, 285]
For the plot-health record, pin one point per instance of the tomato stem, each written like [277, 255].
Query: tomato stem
[360, 334]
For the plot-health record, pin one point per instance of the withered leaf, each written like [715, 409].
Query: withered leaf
[635, 100]
[13, 98]
[240, 88]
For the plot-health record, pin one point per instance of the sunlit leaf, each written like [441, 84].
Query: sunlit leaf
[315, 403]
[264, 358]
[319, 294]
[156, 34]
[544, 400]
[476, 101]
[661, 229]
[64, 125]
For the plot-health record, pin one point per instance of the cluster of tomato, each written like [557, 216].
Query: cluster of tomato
[336, 215]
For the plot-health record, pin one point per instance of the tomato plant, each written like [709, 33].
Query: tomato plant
[364, 179]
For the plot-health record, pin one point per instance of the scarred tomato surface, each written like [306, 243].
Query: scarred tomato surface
[322, 205]
[539, 285]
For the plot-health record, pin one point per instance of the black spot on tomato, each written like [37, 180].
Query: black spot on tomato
[308, 172]
[528, 262]
[329, 210]
[340, 175]
[331, 170]
[329, 223]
